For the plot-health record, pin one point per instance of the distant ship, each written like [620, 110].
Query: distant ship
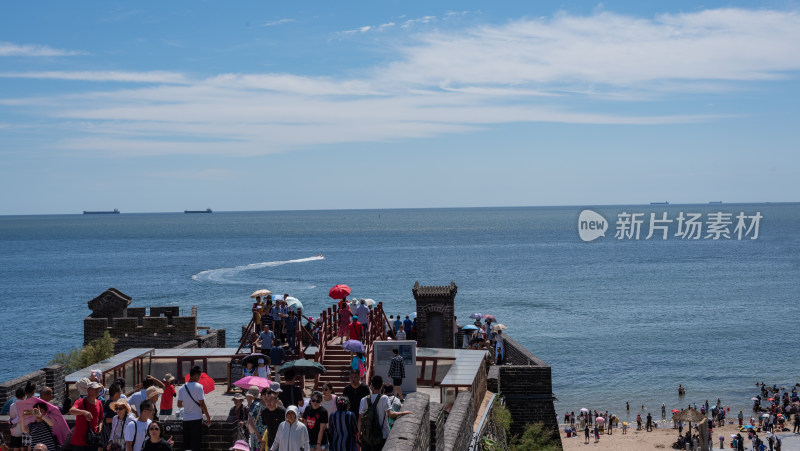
[715, 202]
[659, 203]
[112, 212]
[207, 210]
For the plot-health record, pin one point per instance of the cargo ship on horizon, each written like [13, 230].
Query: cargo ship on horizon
[207, 210]
[112, 212]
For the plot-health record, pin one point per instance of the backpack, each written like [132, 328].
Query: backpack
[361, 368]
[371, 426]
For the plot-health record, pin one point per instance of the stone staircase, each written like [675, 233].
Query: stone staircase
[337, 365]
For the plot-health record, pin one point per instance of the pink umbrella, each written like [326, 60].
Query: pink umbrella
[599, 420]
[249, 381]
[60, 427]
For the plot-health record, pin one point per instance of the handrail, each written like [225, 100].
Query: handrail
[328, 317]
[245, 333]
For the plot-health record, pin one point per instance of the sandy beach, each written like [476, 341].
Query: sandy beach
[661, 438]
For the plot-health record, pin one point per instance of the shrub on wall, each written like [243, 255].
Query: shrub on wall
[83, 357]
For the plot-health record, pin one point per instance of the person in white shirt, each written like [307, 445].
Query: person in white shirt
[192, 398]
[136, 431]
[383, 410]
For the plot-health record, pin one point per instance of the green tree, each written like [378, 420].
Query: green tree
[538, 437]
[83, 357]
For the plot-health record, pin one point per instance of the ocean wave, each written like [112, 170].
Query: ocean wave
[228, 275]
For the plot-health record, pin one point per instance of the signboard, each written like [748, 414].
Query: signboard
[382, 353]
[235, 372]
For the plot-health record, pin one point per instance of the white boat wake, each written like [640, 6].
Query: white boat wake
[227, 275]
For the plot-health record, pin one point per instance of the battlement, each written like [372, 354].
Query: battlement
[134, 327]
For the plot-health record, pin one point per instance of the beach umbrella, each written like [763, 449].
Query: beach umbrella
[490, 317]
[584, 410]
[293, 304]
[205, 381]
[369, 302]
[413, 315]
[497, 327]
[599, 420]
[745, 428]
[470, 327]
[353, 346]
[254, 358]
[754, 399]
[252, 381]
[60, 427]
[260, 293]
[690, 415]
[339, 292]
[302, 367]
[476, 316]
[675, 411]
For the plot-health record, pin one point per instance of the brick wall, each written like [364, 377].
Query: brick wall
[412, 432]
[7, 388]
[525, 382]
[493, 379]
[438, 416]
[162, 329]
[458, 427]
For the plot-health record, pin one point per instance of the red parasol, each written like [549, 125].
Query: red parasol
[339, 292]
[205, 381]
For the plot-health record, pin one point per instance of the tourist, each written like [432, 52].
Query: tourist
[123, 416]
[355, 391]
[155, 440]
[343, 427]
[152, 395]
[258, 310]
[370, 439]
[315, 417]
[395, 402]
[14, 420]
[141, 395]
[624, 428]
[276, 356]
[249, 369]
[398, 324]
[192, 398]
[271, 416]
[136, 431]
[362, 312]
[239, 414]
[649, 423]
[262, 370]
[254, 407]
[41, 429]
[328, 398]
[292, 434]
[740, 416]
[344, 320]
[500, 348]
[401, 334]
[639, 421]
[167, 397]
[109, 413]
[88, 413]
[46, 394]
[397, 372]
[291, 332]
[289, 393]
[355, 329]
[586, 434]
[408, 326]
[359, 363]
[277, 319]
[265, 338]
[596, 433]
[266, 316]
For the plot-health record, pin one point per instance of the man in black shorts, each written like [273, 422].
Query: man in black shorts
[397, 372]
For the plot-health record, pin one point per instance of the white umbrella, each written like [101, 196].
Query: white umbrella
[584, 410]
[293, 304]
[413, 315]
[260, 293]
[369, 302]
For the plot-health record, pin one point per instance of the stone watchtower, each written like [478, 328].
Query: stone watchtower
[435, 313]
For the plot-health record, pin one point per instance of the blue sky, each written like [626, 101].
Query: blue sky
[166, 106]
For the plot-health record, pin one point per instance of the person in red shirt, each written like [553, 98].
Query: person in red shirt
[168, 395]
[355, 329]
[88, 411]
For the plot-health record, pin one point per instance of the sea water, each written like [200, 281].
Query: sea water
[617, 320]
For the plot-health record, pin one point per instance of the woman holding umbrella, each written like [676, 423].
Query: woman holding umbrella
[41, 429]
[344, 320]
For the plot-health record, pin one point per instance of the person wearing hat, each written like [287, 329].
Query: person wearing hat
[121, 419]
[88, 413]
[153, 393]
[240, 445]
[355, 329]
[168, 396]
[239, 414]
[254, 407]
[262, 370]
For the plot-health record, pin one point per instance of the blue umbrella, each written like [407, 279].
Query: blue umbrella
[470, 327]
[353, 346]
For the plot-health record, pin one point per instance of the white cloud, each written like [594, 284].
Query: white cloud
[426, 19]
[273, 23]
[134, 77]
[524, 71]
[11, 49]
